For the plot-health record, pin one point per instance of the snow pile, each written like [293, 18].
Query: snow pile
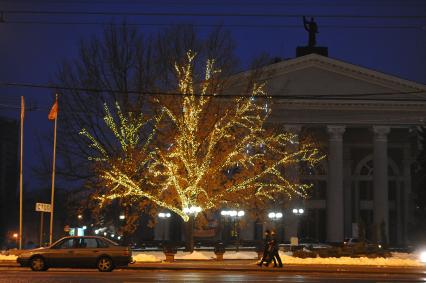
[196, 255]
[151, 256]
[413, 256]
[159, 256]
[8, 257]
[146, 258]
[397, 260]
[240, 255]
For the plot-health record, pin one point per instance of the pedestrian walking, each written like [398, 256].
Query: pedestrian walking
[266, 249]
[273, 248]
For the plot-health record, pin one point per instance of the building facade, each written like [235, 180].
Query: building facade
[365, 121]
[8, 178]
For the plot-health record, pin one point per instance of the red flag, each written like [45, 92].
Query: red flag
[54, 111]
[22, 108]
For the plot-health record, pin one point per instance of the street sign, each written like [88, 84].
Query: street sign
[43, 207]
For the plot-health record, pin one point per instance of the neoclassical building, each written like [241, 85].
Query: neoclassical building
[366, 122]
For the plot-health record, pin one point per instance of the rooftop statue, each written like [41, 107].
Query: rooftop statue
[312, 28]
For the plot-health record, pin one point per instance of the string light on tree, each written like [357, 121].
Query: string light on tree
[203, 152]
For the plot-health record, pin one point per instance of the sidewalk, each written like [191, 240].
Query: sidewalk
[249, 265]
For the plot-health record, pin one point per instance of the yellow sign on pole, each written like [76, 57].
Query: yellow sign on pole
[43, 207]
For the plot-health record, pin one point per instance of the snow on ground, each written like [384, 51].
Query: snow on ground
[8, 257]
[148, 256]
[240, 255]
[196, 255]
[398, 259]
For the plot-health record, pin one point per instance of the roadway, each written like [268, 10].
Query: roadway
[22, 275]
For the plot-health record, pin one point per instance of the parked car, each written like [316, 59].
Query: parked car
[311, 243]
[85, 251]
[356, 241]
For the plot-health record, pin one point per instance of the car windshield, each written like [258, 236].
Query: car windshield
[64, 244]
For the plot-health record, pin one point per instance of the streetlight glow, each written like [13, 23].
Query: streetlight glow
[122, 217]
[164, 215]
[423, 257]
[298, 211]
[275, 215]
[80, 216]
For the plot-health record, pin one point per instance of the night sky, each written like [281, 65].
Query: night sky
[374, 34]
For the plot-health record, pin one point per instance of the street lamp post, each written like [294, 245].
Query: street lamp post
[15, 236]
[192, 212]
[298, 212]
[235, 216]
[164, 216]
[276, 217]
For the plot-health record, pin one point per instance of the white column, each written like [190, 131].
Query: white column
[347, 193]
[406, 193]
[380, 182]
[335, 212]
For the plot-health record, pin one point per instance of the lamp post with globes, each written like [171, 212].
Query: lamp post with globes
[235, 216]
[276, 217]
[298, 212]
[192, 213]
[164, 216]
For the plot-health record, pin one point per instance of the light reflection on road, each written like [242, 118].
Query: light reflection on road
[22, 275]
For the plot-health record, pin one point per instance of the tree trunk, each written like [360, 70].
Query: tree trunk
[190, 234]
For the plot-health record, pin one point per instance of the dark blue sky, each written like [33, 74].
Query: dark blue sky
[31, 52]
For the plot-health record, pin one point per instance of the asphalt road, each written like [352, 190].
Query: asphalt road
[21, 275]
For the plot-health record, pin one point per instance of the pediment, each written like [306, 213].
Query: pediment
[315, 75]
[316, 89]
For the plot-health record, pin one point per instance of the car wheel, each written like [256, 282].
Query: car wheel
[105, 264]
[38, 263]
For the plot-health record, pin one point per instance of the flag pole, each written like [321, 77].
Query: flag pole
[20, 171]
[52, 197]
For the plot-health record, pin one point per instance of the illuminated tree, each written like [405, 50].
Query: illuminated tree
[205, 149]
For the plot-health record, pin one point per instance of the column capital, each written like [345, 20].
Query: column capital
[335, 132]
[381, 132]
[292, 128]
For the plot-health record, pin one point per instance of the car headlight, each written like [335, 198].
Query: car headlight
[423, 256]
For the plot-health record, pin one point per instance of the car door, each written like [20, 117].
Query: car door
[86, 251]
[61, 254]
